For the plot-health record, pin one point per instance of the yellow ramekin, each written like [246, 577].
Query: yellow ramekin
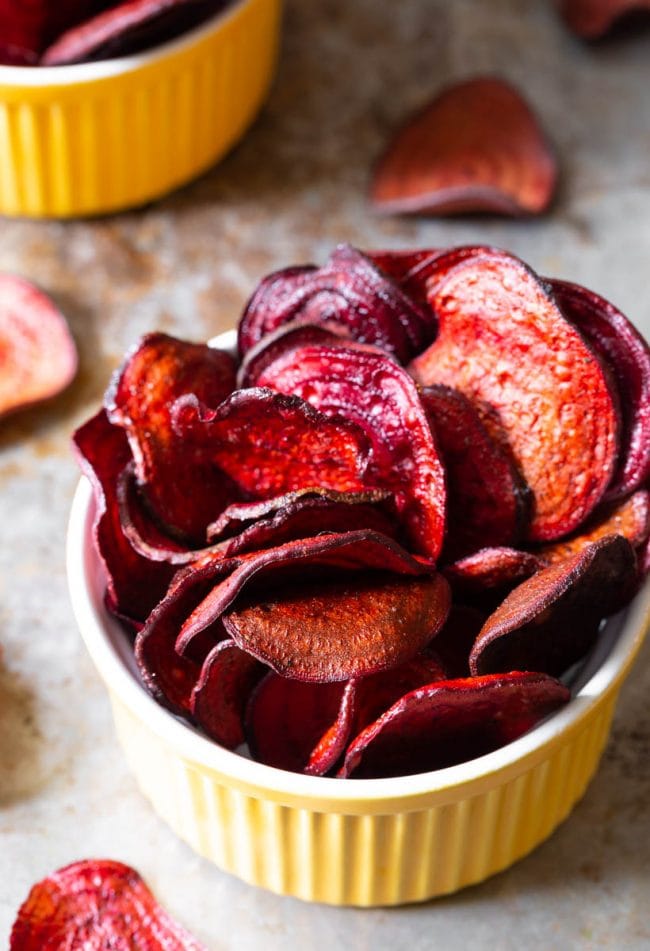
[98, 137]
[353, 841]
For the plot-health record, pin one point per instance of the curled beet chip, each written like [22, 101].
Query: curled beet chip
[37, 353]
[349, 291]
[127, 28]
[283, 338]
[134, 583]
[399, 264]
[268, 443]
[550, 620]
[630, 518]
[592, 19]
[184, 489]
[487, 500]
[626, 353]
[339, 628]
[305, 727]
[452, 721]
[491, 568]
[537, 385]
[96, 904]
[218, 701]
[370, 389]
[347, 552]
[477, 147]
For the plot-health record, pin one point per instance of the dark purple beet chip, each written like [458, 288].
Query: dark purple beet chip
[550, 620]
[487, 498]
[218, 701]
[335, 629]
[347, 552]
[349, 290]
[283, 338]
[268, 443]
[185, 491]
[127, 28]
[372, 391]
[398, 264]
[491, 568]
[134, 584]
[452, 721]
[625, 351]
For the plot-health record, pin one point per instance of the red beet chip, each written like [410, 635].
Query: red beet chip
[283, 338]
[452, 721]
[477, 147]
[134, 583]
[630, 518]
[349, 291]
[537, 385]
[127, 28]
[340, 628]
[305, 727]
[96, 904]
[486, 497]
[399, 264]
[29, 25]
[491, 568]
[219, 698]
[37, 353]
[592, 19]
[625, 352]
[550, 621]
[268, 443]
[370, 389]
[347, 552]
[184, 490]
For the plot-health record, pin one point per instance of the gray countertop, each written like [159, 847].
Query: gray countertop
[291, 190]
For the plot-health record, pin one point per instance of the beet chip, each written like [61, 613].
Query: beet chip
[305, 727]
[477, 147]
[285, 337]
[37, 353]
[592, 19]
[539, 389]
[127, 28]
[335, 629]
[625, 352]
[185, 491]
[94, 905]
[452, 721]
[29, 25]
[370, 389]
[269, 444]
[550, 621]
[346, 552]
[630, 518]
[399, 264]
[134, 583]
[491, 568]
[219, 698]
[349, 291]
[456, 638]
[487, 501]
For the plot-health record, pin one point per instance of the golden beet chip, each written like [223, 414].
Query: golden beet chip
[368, 388]
[339, 628]
[550, 620]
[477, 147]
[538, 387]
[452, 721]
[96, 905]
[37, 353]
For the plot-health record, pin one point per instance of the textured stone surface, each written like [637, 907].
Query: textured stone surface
[294, 187]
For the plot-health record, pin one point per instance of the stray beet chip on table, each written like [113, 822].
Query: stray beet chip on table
[375, 542]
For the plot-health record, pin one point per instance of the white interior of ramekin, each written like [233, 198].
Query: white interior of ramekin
[618, 642]
[32, 76]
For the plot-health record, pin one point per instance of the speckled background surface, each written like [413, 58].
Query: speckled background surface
[290, 191]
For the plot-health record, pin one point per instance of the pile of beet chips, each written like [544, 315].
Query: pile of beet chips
[372, 544]
[43, 33]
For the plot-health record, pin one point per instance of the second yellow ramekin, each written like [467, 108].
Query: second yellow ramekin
[352, 842]
[98, 137]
